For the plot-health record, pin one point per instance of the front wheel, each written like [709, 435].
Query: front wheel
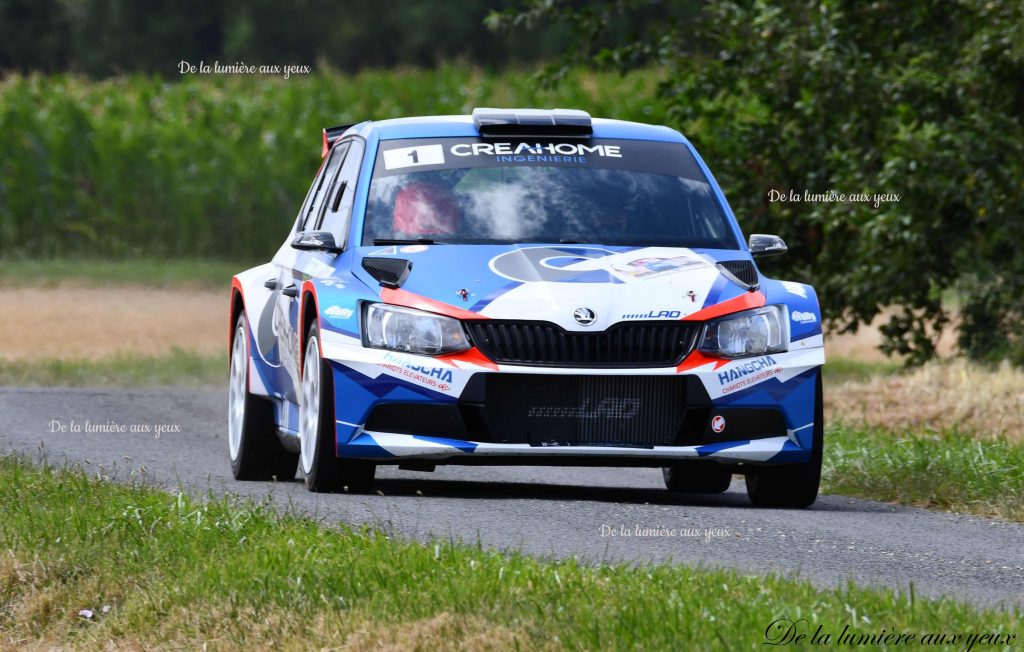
[791, 485]
[323, 471]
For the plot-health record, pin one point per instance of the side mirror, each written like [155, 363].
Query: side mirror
[762, 246]
[316, 241]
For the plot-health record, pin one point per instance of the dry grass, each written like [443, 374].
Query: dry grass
[863, 345]
[227, 628]
[947, 394]
[93, 323]
[950, 394]
[40, 604]
[441, 632]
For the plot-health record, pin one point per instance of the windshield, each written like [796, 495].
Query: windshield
[466, 190]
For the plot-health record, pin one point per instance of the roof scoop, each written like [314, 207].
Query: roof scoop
[520, 123]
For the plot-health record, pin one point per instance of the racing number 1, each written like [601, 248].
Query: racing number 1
[407, 157]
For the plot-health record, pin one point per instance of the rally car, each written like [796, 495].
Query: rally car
[520, 286]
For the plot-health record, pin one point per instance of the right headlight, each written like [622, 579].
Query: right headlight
[412, 331]
[748, 333]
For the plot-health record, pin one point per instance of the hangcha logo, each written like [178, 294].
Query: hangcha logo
[440, 373]
[745, 369]
[608, 408]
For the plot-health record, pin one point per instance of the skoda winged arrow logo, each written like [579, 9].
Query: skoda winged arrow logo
[584, 316]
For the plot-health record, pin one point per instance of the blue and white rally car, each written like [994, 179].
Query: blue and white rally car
[523, 287]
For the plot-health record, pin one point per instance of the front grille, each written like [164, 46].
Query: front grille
[586, 410]
[627, 344]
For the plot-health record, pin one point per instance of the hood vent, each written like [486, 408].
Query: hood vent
[389, 272]
[741, 272]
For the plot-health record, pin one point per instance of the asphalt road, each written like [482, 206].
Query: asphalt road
[546, 511]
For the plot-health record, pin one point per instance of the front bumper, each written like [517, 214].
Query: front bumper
[396, 408]
[385, 448]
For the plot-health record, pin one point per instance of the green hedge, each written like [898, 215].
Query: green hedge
[216, 166]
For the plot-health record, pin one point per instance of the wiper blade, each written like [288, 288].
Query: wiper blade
[391, 241]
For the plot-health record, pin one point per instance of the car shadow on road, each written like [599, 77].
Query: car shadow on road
[476, 490]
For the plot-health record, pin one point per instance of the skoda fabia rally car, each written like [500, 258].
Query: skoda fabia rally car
[523, 287]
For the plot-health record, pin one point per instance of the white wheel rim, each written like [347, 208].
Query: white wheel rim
[238, 388]
[309, 405]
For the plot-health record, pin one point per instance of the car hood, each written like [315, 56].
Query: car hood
[551, 282]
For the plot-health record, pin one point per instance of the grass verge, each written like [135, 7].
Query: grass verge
[157, 570]
[181, 368]
[842, 370]
[984, 400]
[946, 470]
[150, 272]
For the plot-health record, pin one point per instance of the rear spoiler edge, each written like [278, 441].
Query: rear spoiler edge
[331, 136]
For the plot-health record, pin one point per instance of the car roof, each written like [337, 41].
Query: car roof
[462, 126]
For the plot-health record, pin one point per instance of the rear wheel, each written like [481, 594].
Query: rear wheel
[696, 477]
[323, 470]
[791, 485]
[255, 451]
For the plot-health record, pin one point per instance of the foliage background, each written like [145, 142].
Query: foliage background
[216, 166]
[924, 100]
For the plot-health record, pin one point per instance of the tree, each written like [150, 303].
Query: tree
[920, 100]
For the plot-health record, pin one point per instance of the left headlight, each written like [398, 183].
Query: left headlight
[748, 333]
[412, 331]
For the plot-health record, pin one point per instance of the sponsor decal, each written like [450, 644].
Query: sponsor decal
[795, 288]
[692, 295]
[651, 267]
[607, 408]
[414, 249]
[718, 423]
[386, 251]
[748, 373]
[533, 264]
[661, 314]
[438, 377]
[537, 150]
[338, 312]
[803, 317]
[740, 370]
[584, 316]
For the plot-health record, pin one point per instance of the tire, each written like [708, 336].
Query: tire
[696, 477]
[253, 446]
[791, 485]
[323, 470]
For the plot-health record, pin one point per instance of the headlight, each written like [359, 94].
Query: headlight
[748, 333]
[412, 331]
